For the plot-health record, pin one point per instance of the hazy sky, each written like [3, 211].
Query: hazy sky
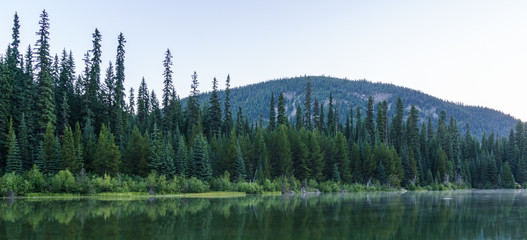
[473, 52]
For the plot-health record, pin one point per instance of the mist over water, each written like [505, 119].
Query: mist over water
[471, 214]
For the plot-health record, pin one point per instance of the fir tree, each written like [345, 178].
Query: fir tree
[281, 116]
[14, 161]
[370, 126]
[213, 119]
[181, 157]
[69, 151]
[49, 149]
[45, 104]
[227, 116]
[156, 151]
[307, 105]
[107, 155]
[272, 114]
[199, 160]
[239, 166]
[167, 91]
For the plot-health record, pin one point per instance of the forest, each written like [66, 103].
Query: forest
[83, 133]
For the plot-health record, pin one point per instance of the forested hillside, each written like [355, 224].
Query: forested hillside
[354, 93]
[64, 130]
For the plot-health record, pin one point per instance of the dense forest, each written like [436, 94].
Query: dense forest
[64, 131]
[354, 93]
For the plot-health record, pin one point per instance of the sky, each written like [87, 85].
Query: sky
[472, 52]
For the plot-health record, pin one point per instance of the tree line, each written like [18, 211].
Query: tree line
[55, 119]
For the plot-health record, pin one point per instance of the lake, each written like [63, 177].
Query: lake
[471, 214]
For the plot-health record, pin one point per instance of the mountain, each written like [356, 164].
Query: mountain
[254, 100]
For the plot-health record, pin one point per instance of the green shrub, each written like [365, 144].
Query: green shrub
[36, 180]
[63, 182]
[249, 188]
[222, 183]
[194, 185]
[15, 183]
[104, 184]
[329, 186]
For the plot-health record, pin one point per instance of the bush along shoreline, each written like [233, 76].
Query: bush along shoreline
[34, 183]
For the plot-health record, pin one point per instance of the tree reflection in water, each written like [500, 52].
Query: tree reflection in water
[425, 215]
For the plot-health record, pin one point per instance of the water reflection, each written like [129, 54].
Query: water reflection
[428, 215]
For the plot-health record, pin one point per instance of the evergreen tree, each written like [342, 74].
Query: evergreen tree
[181, 157]
[227, 116]
[316, 115]
[93, 85]
[307, 105]
[193, 113]
[49, 149]
[167, 91]
[107, 155]
[281, 116]
[316, 157]
[23, 144]
[168, 165]
[239, 166]
[135, 154]
[506, 177]
[143, 106]
[214, 115]
[45, 104]
[69, 151]
[14, 161]
[156, 151]
[342, 157]
[382, 121]
[119, 73]
[199, 160]
[282, 153]
[370, 126]
[397, 122]
[299, 121]
[272, 114]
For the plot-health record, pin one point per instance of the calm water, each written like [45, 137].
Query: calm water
[427, 215]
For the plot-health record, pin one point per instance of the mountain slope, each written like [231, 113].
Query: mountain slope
[255, 99]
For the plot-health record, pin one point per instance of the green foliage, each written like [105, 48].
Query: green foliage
[63, 182]
[107, 156]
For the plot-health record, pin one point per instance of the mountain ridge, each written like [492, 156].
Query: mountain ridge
[254, 99]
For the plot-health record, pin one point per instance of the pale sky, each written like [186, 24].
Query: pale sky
[474, 52]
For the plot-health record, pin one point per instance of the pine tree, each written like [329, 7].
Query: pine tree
[239, 166]
[134, 153]
[272, 114]
[299, 117]
[199, 160]
[107, 156]
[93, 85]
[23, 144]
[282, 152]
[14, 161]
[119, 73]
[397, 122]
[307, 105]
[193, 108]
[156, 151]
[281, 116]
[342, 157]
[49, 149]
[45, 104]
[69, 151]
[213, 119]
[382, 121]
[167, 91]
[370, 126]
[168, 164]
[227, 116]
[506, 177]
[181, 157]
[316, 157]
[143, 106]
